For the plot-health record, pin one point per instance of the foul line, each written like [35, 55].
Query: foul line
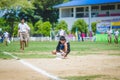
[33, 67]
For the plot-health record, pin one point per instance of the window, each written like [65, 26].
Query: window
[95, 7]
[107, 7]
[81, 9]
[86, 9]
[79, 15]
[68, 12]
[118, 6]
[80, 12]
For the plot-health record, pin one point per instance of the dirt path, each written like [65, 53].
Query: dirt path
[73, 66]
[13, 70]
[81, 65]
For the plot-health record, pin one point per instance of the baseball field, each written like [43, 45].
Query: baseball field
[86, 61]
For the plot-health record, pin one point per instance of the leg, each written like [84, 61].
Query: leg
[5, 41]
[116, 38]
[110, 39]
[21, 41]
[20, 44]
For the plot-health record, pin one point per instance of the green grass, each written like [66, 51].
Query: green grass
[34, 55]
[4, 56]
[83, 77]
[117, 54]
[37, 49]
[91, 77]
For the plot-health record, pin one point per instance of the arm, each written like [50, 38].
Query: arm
[65, 48]
[57, 48]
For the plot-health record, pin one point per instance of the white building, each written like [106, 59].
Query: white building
[89, 10]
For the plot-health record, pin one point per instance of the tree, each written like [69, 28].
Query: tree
[42, 28]
[94, 27]
[8, 4]
[81, 26]
[13, 8]
[38, 27]
[45, 9]
[31, 28]
[4, 25]
[46, 27]
[63, 25]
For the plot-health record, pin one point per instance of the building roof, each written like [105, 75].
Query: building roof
[85, 3]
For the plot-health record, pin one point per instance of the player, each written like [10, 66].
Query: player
[6, 38]
[109, 32]
[63, 48]
[23, 30]
[116, 34]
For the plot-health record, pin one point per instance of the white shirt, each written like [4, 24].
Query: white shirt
[6, 34]
[23, 27]
[109, 32]
[116, 33]
[62, 32]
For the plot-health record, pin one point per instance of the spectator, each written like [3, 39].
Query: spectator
[116, 34]
[109, 32]
[6, 38]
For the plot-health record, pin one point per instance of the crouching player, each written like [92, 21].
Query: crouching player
[62, 49]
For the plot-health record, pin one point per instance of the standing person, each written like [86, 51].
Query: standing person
[61, 32]
[79, 33]
[63, 48]
[109, 32]
[116, 34]
[23, 30]
[6, 37]
[82, 36]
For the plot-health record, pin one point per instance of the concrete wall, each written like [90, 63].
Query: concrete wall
[70, 20]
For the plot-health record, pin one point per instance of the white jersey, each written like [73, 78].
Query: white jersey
[6, 34]
[109, 32]
[23, 27]
[116, 33]
[62, 33]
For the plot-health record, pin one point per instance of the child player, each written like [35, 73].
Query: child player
[63, 48]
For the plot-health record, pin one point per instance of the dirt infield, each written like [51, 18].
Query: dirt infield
[106, 65]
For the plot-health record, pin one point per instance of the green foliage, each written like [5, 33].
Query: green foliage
[45, 9]
[43, 28]
[6, 3]
[65, 1]
[94, 27]
[63, 25]
[14, 8]
[46, 28]
[14, 3]
[81, 25]
[4, 25]
[15, 32]
[38, 27]
[32, 11]
[31, 28]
